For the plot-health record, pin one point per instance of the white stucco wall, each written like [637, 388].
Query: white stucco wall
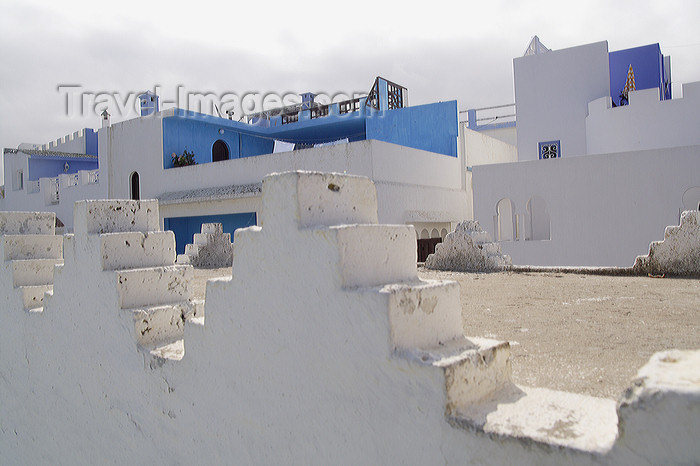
[479, 148]
[508, 135]
[646, 123]
[552, 92]
[604, 209]
[74, 143]
[323, 347]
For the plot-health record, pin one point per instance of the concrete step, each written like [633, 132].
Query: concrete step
[154, 285]
[18, 247]
[491, 249]
[160, 329]
[92, 217]
[373, 255]
[125, 250]
[33, 296]
[480, 236]
[29, 272]
[192, 249]
[183, 259]
[27, 223]
[213, 228]
[475, 369]
[544, 416]
[201, 238]
[424, 313]
[481, 396]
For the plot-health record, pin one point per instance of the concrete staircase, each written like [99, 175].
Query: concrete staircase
[138, 261]
[30, 252]
[212, 248]
[468, 249]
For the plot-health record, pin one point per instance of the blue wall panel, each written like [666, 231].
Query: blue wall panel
[49, 167]
[432, 127]
[647, 64]
[91, 142]
[185, 227]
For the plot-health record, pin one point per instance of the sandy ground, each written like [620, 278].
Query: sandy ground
[587, 334]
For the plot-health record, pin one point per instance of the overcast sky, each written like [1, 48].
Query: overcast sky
[438, 50]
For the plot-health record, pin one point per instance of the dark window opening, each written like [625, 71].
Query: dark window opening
[427, 247]
[135, 192]
[219, 151]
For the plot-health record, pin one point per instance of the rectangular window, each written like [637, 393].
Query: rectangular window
[18, 181]
[549, 150]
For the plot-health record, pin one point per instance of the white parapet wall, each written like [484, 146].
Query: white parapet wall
[315, 351]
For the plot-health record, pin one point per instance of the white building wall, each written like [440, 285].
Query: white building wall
[479, 148]
[74, 143]
[509, 135]
[552, 91]
[413, 185]
[604, 210]
[646, 123]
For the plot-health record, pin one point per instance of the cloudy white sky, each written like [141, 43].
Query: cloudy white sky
[439, 50]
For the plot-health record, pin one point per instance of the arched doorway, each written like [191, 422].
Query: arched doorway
[135, 186]
[219, 151]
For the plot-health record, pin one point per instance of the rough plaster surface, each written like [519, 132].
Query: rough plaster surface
[211, 248]
[468, 249]
[290, 365]
[30, 251]
[678, 253]
[28, 223]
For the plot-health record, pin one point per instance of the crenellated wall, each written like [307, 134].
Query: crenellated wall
[322, 347]
[646, 123]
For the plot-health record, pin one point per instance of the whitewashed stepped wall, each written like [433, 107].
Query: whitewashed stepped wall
[304, 357]
[29, 251]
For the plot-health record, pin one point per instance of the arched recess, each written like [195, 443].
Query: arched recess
[219, 151]
[434, 233]
[443, 233]
[691, 198]
[505, 220]
[537, 223]
[424, 234]
[134, 186]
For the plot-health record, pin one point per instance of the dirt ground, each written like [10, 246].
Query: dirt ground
[587, 334]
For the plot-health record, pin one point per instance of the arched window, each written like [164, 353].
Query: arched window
[505, 220]
[135, 185]
[691, 198]
[219, 151]
[537, 219]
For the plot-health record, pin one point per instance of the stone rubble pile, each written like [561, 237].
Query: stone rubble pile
[468, 249]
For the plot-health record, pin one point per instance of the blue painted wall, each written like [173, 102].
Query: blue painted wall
[431, 127]
[51, 167]
[647, 63]
[197, 133]
[90, 142]
[185, 227]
